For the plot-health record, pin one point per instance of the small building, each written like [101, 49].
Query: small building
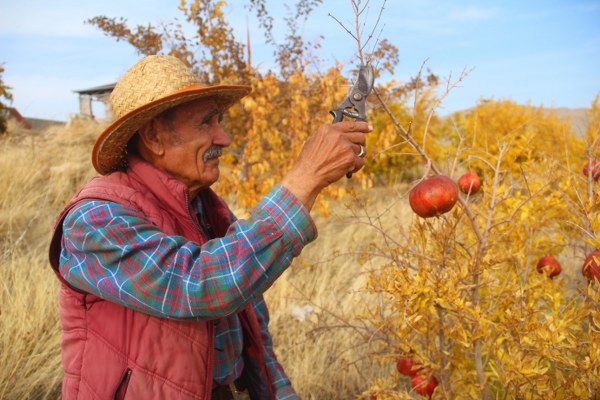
[98, 93]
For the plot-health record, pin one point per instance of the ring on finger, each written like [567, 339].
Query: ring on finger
[362, 151]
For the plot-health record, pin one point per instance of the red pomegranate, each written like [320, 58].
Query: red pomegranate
[595, 169]
[591, 266]
[424, 385]
[433, 196]
[406, 366]
[469, 183]
[549, 265]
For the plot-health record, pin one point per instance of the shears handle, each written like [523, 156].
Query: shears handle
[338, 116]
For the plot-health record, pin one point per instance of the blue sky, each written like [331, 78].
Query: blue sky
[530, 51]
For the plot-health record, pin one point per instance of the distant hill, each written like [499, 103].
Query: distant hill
[38, 124]
[20, 124]
[578, 116]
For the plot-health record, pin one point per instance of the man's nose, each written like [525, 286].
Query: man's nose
[221, 138]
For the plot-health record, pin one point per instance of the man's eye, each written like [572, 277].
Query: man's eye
[210, 119]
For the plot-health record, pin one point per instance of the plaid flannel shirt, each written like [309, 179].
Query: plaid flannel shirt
[116, 253]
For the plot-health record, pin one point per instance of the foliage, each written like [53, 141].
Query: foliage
[5, 95]
[531, 134]
[286, 105]
[212, 52]
[279, 118]
[460, 293]
[291, 55]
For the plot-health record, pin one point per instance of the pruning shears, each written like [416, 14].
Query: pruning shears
[353, 105]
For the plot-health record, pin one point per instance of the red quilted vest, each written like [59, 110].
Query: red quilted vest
[109, 351]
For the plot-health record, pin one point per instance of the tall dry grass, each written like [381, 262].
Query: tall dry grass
[312, 305]
[38, 172]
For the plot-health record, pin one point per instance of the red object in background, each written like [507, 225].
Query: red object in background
[469, 183]
[591, 266]
[595, 169]
[549, 265]
[424, 385]
[406, 366]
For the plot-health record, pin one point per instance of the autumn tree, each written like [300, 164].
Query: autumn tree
[533, 134]
[5, 96]
[288, 102]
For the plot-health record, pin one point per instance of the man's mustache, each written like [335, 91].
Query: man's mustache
[212, 152]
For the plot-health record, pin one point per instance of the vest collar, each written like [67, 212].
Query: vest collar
[166, 188]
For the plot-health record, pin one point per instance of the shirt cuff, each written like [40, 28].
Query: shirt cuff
[290, 216]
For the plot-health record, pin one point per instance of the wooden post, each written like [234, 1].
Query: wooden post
[85, 105]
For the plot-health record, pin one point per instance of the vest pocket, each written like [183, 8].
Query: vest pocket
[122, 387]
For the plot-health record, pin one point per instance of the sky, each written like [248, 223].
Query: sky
[538, 52]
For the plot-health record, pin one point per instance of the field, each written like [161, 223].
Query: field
[458, 294]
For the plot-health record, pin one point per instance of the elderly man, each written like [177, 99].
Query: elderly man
[161, 294]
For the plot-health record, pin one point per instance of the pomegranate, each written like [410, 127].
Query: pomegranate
[424, 385]
[591, 266]
[469, 183]
[406, 366]
[595, 169]
[433, 196]
[549, 265]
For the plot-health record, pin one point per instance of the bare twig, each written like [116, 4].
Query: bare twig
[449, 87]
[375, 26]
[343, 26]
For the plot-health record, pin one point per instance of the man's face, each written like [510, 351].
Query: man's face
[192, 140]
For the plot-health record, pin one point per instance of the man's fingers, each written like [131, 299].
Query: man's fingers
[353, 126]
[355, 137]
[358, 164]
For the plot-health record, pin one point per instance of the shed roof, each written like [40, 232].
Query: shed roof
[98, 89]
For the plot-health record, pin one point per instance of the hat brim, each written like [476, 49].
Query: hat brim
[109, 153]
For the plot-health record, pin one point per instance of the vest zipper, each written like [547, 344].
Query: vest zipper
[206, 230]
[210, 327]
[122, 388]
[189, 212]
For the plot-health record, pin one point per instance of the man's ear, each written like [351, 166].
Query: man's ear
[150, 139]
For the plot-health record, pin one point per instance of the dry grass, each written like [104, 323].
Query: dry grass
[326, 354]
[313, 305]
[29, 340]
[35, 181]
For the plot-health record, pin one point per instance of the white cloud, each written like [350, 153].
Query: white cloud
[441, 19]
[472, 14]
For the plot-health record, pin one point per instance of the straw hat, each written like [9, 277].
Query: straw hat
[151, 86]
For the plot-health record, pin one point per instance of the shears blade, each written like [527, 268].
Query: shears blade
[353, 105]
